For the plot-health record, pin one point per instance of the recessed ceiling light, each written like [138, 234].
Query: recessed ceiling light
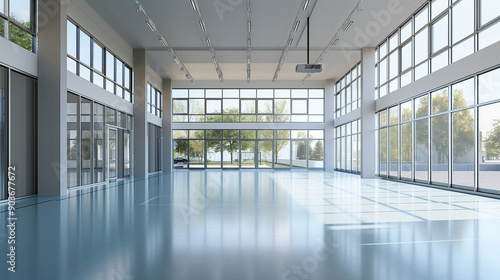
[151, 25]
[305, 5]
[290, 42]
[202, 26]
[249, 26]
[193, 4]
[296, 27]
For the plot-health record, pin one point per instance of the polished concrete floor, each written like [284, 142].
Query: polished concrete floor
[256, 225]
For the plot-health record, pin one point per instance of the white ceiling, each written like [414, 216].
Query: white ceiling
[272, 21]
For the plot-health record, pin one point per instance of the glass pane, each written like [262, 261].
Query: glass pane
[119, 73]
[438, 6]
[383, 118]
[247, 153]
[213, 93]
[86, 134]
[264, 134]
[214, 155]
[84, 48]
[383, 152]
[422, 18]
[112, 149]
[463, 148]
[299, 106]
[489, 10]
[440, 101]
[72, 121]
[439, 61]
[422, 106]
[489, 86]
[264, 93]
[179, 93]
[110, 66]
[299, 154]
[393, 150]
[316, 106]
[406, 111]
[248, 106]
[463, 94]
[282, 106]
[180, 106]
[421, 46]
[20, 37]
[248, 93]
[98, 153]
[406, 31]
[489, 160]
[231, 106]
[179, 134]
[394, 115]
[214, 106]
[265, 154]
[406, 150]
[463, 49]
[196, 106]
[265, 106]
[439, 150]
[21, 11]
[422, 150]
[71, 38]
[247, 134]
[394, 64]
[462, 20]
[282, 153]
[181, 154]
[196, 154]
[383, 71]
[489, 36]
[299, 93]
[316, 153]
[406, 56]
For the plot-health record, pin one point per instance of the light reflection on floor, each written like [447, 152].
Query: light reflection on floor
[257, 225]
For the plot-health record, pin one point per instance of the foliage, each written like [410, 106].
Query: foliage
[463, 126]
[317, 153]
[21, 37]
[492, 142]
[301, 150]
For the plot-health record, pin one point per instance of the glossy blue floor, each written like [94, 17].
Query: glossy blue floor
[256, 225]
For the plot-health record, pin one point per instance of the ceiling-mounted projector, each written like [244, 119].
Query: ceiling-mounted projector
[308, 68]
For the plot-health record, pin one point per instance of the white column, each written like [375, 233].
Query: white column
[167, 125]
[368, 140]
[329, 153]
[52, 99]
[140, 117]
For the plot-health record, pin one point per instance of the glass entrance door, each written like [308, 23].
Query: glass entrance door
[112, 155]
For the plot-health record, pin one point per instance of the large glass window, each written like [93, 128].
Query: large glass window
[248, 105]
[154, 98]
[348, 92]
[95, 63]
[489, 153]
[239, 149]
[443, 32]
[347, 147]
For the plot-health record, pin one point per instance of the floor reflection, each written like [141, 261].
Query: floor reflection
[257, 225]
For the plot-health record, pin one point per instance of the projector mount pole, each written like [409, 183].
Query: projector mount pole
[307, 40]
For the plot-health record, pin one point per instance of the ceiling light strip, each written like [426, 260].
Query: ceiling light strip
[163, 41]
[335, 39]
[203, 27]
[296, 23]
[249, 38]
